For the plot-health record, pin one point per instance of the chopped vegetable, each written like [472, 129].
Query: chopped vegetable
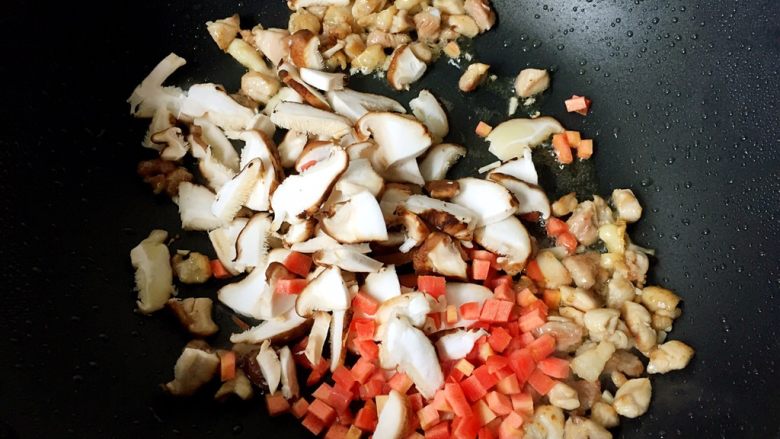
[483, 129]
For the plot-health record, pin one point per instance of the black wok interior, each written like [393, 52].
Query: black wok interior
[685, 113]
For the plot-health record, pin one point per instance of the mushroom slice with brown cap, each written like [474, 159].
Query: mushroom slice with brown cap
[317, 337]
[221, 148]
[150, 96]
[347, 260]
[324, 242]
[458, 344]
[398, 137]
[251, 296]
[357, 220]
[489, 200]
[224, 240]
[291, 77]
[278, 330]
[450, 218]
[429, 111]
[521, 168]
[258, 146]
[393, 418]
[442, 189]
[252, 242]
[439, 160]
[440, 254]
[224, 31]
[354, 104]
[409, 349]
[161, 121]
[415, 229]
[405, 68]
[326, 292]
[530, 197]
[195, 207]
[315, 151]
[270, 366]
[273, 43]
[324, 81]
[211, 102]
[291, 147]
[509, 239]
[235, 193]
[290, 387]
[215, 173]
[301, 195]
[310, 120]
[405, 171]
[393, 196]
[175, 146]
[383, 285]
[511, 138]
[338, 338]
[153, 273]
[194, 314]
[194, 368]
[305, 50]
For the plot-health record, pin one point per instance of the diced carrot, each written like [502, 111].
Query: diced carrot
[499, 339]
[500, 404]
[400, 382]
[455, 376]
[567, 240]
[345, 417]
[554, 367]
[504, 291]
[343, 377]
[485, 351]
[353, 433]
[290, 286]
[502, 373]
[530, 321]
[533, 271]
[466, 427]
[504, 312]
[487, 379]
[276, 404]
[523, 403]
[336, 431]
[562, 149]
[542, 347]
[298, 263]
[323, 391]
[509, 385]
[218, 270]
[498, 281]
[552, 298]
[573, 137]
[526, 297]
[585, 150]
[363, 369]
[322, 411]
[457, 399]
[367, 349]
[464, 366]
[480, 269]
[527, 338]
[371, 389]
[415, 435]
[451, 314]
[428, 417]
[540, 382]
[366, 417]
[470, 310]
[472, 388]
[483, 255]
[363, 328]
[434, 285]
[440, 401]
[522, 363]
[496, 362]
[576, 103]
[363, 303]
[438, 431]
[318, 372]
[555, 226]
[538, 305]
[506, 431]
[313, 424]
[489, 310]
[483, 129]
[227, 365]
[483, 412]
[299, 408]
[485, 433]
[514, 420]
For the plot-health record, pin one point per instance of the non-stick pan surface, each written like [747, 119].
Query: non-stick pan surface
[685, 113]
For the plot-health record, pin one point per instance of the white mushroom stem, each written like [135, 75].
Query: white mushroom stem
[458, 344]
[411, 351]
[511, 138]
[428, 110]
[195, 207]
[153, 273]
[439, 160]
[354, 104]
[270, 366]
[150, 95]
[317, 336]
[310, 120]
[211, 102]
[322, 80]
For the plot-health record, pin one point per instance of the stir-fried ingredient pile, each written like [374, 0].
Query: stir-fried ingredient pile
[406, 304]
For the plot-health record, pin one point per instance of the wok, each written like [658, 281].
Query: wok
[685, 113]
